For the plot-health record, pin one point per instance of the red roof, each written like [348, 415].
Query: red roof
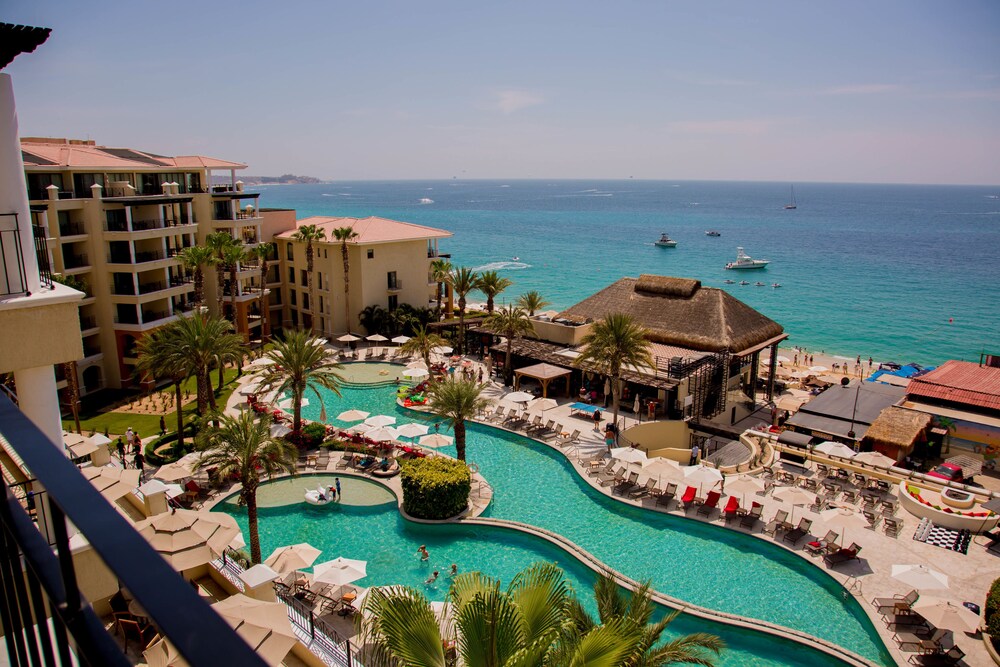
[960, 382]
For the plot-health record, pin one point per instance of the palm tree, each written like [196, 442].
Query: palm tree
[231, 258]
[532, 302]
[457, 400]
[440, 270]
[196, 258]
[462, 280]
[491, 284]
[422, 342]
[242, 446]
[634, 612]
[218, 242]
[158, 359]
[310, 234]
[301, 362]
[510, 322]
[345, 234]
[262, 252]
[614, 342]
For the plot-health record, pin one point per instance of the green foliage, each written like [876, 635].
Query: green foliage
[313, 434]
[992, 612]
[435, 487]
[993, 626]
[72, 282]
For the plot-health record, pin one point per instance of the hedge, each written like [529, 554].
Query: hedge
[992, 611]
[435, 487]
[313, 434]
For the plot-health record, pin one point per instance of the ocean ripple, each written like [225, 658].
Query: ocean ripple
[502, 266]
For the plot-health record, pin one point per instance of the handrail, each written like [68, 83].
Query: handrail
[200, 635]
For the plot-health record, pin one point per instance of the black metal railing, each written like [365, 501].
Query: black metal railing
[177, 281]
[337, 649]
[151, 316]
[37, 581]
[42, 255]
[149, 256]
[396, 284]
[148, 288]
[87, 323]
[143, 225]
[71, 229]
[75, 261]
[10, 255]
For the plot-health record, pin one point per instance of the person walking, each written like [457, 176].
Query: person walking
[129, 437]
[163, 426]
[597, 421]
[121, 451]
[139, 461]
[695, 452]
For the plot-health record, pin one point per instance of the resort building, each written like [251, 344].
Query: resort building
[844, 413]
[706, 345]
[388, 264]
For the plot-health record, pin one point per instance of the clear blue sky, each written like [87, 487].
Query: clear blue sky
[884, 91]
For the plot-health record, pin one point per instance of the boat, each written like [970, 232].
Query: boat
[775, 284]
[745, 261]
[712, 232]
[791, 205]
[515, 258]
[759, 284]
[729, 282]
[744, 282]
[318, 496]
[666, 242]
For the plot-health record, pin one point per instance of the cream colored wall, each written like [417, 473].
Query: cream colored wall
[96, 581]
[41, 335]
[661, 435]
[560, 333]
[410, 262]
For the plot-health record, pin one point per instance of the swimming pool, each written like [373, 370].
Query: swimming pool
[694, 561]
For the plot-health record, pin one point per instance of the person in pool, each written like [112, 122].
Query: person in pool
[431, 579]
[454, 570]
[424, 555]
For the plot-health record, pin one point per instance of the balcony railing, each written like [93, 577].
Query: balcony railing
[37, 581]
[75, 261]
[395, 285]
[177, 281]
[71, 229]
[149, 288]
[42, 255]
[116, 226]
[144, 225]
[149, 256]
[152, 316]
[87, 323]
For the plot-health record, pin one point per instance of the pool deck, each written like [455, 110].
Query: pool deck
[867, 578]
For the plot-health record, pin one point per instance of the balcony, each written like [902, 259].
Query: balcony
[432, 255]
[87, 323]
[72, 229]
[71, 262]
[149, 288]
[395, 285]
[43, 584]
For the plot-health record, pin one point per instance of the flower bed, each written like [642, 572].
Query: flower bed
[925, 503]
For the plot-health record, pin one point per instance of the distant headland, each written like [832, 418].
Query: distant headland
[284, 179]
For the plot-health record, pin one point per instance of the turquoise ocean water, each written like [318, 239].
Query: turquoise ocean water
[907, 273]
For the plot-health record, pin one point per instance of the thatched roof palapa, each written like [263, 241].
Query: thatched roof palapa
[896, 429]
[680, 312]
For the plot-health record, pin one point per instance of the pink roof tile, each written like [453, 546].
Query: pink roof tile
[87, 156]
[371, 230]
[960, 382]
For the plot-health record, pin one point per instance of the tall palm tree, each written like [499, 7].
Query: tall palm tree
[218, 242]
[262, 253]
[462, 280]
[532, 302]
[242, 446]
[634, 611]
[457, 400]
[158, 359]
[422, 342]
[301, 362]
[491, 284]
[231, 258]
[196, 258]
[510, 322]
[614, 342]
[310, 234]
[440, 270]
[345, 234]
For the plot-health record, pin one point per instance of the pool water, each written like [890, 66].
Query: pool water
[370, 372]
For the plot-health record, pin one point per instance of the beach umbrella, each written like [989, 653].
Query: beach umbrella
[382, 434]
[519, 396]
[843, 518]
[436, 440]
[801, 375]
[189, 461]
[834, 449]
[100, 439]
[172, 472]
[399, 340]
[353, 415]
[744, 484]
[818, 369]
[417, 364]
[874, 459]
[542, 404]
[441, 349]
[112, 482]
[188, 539]
[376, 338]
[701, 474]
[380, 420]
[317, 342]
[292, 557]
[629, 454]
[287, 404]
[416, 372]
[250, 388]
[946, 614]
[794, 496]
[156, 486]
[361, 428]
[340, 571]
[263, 361]
[412, 430]
[661, 467]
[279, 430]
[919, 576]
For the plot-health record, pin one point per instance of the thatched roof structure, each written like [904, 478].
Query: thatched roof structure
[559, 355]
[896, 430]
[682, 313]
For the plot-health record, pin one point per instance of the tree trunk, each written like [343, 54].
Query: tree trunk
[615, 397]
[347, 285]
[211, 393]
[439, 291]
[202, 382]
[251, 498]
[180, 415]
[222, 375]
[489, 304]
[199, 285]
[263, 306]
[220, 280]
[460, 439]
[297, 412]
[232, 296]
[461, 324]
[508, 372]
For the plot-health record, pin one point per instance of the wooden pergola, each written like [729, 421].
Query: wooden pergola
[544, 373]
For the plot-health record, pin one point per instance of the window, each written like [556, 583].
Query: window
[291, 275]
[293, 297]
[393, 302]
[304, 277]
[393, 282]
[289, 252]
[371, 254]
[305, 301]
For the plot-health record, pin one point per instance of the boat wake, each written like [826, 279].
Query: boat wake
[426, 200]
[502, 266]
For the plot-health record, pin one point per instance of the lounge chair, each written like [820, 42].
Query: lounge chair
[873, 519]
[552, 430]
[599, 466]
[572, 437]
[753, 516]
[819, 546]
[892, 525]
[795, 534]
[345, 461]
[850, 496]
[732, 508]
[907, 621]
[711, 502]
[498, 414]
[542, 428]
[916, 642]
[772, 527]
[612, 479]
[843, 555]
[896, 604]
[888, 508]
[952, 656]
[664, 495]
[533, 424]
[626, 485]
[643, 491]
[689, 496]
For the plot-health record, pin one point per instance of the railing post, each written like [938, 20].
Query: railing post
[312, 625]
[347, 644]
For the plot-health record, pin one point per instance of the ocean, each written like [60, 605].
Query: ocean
[909, 273]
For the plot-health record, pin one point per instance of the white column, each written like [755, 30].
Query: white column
[36, 396]
[14, 194]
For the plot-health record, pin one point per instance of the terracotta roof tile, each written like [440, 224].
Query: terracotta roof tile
[371, 230]
[960, 382]
[88, 156]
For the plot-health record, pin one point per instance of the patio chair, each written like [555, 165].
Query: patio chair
[345, 461]
[711, 502]
[772, 527]
[818, 504]
[952, 656]
[689, 496]
[896, 604]
[732, 509]
[572, 437]
[873, 519]
[843, 555]
[612, 478]
[626, 485]
[892, 526]
[753, 516]
[542, 428]
[850, 496]
[664, 495]
[643, 491]
[907, 621]
[552, 430]
[133, 630]
[497, 414]
[888, 508]
[913, 642]
[822, 470]
[819, 546]
[530, 426]
[795, 534]
[599, 466]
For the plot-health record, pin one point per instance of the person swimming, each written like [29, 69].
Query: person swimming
[433, 578]
[424, 555]
[454, 570]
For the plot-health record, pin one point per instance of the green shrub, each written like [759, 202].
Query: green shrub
[992, 609]
[313, 434]
[171, 453]
[435, 487]
[993, 626]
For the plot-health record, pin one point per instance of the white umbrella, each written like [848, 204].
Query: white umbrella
[362, 428]
[376, 338]
[436, 440]
[352, 415]
[111, 481]
[250, 388]
[818, 369]
[382, 434]
[412, 430]
[700, 474]
[263, 361]
[172, 472]
[441, 349]
[380, 420]
[519, 396]
[795, 497]
[399, 340]
[543, 404]
[340, 571]
[417, 364]
[874, 459]
[416, 372]
[317, 342]
[783, 359]
[943, 613]
[919, 576]
[279, 430]
[348, 338]
[288, 403]
[292, 557]
[834, 449]
[628, 454]
[800, 375]
[661, 467]
[843, 518]
[100, 439]
[744, 484]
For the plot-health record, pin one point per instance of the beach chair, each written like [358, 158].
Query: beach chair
[952, 656]
[643, 491]
[689, 496]
[775, 524]
[710, 503]
[888, 508]
[626, 485]
[873, 519]
[897, 604]
[569, 439]
[732, 508]
[819, 546]
[850, 496]
[599, 466]
[663, 496]
[530, 426]
[822, 470]
[843, 555]
[551, 430]
[753, 516]
[612, 479]
[795, 534]
[919, 642]
[498, 414]
[892, 526]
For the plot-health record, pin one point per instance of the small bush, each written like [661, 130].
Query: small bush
[435, 488]
[313, 434]
[993, 626]
[992, 609]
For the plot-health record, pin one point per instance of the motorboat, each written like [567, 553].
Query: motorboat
[775, 284]
[319, 496]
[666, 242]
[745, 261]
[759, 284]
[515, 258]
[744, 282]
[729, 282]
[712, 232]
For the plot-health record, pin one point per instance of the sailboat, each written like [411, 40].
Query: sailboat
[791, 205]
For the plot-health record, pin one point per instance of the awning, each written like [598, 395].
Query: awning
[794, 439]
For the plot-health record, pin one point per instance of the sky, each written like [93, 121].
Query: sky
[884, 92]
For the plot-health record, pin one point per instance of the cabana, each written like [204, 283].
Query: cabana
[896, 432]
[544, 373]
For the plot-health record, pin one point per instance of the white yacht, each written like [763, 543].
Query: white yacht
[745, 261]
[666, 242]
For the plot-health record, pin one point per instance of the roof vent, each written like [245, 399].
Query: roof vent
[666, 286]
